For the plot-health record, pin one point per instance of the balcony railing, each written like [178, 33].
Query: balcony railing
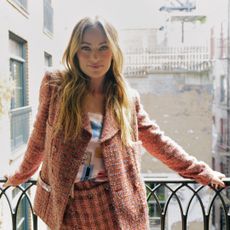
[173, 204]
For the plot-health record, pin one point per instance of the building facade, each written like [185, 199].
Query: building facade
[27, 44]
[220, 57]
[220, 74]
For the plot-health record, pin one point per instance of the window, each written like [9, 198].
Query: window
[47, 59]
[16, 70]
[20, 110]
[21, 6]
[223, 88]
[47, 16]
[221, 130]
[22, 3]
[20, 114]
[223, 141]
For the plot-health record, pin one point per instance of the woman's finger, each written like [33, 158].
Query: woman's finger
[217, 182]
[6, 184]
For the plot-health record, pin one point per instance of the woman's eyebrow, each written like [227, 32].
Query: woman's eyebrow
[88, 43]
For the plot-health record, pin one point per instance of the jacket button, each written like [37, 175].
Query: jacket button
[90, 196]
[54, 148]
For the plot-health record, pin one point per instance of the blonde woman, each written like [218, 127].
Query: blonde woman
[88, 132]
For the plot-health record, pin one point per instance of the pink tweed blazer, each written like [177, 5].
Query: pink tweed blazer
[61, 161]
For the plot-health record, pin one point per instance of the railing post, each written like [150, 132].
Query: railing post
[162, 221]
[228, 222]
[206, 222]
[184, 222]
[35, 222]
[14, 221]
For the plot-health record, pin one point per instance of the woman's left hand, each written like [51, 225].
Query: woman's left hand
[216, 181]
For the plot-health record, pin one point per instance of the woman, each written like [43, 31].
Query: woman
[88, 132]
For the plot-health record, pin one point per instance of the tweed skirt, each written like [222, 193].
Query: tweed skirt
[91, 208]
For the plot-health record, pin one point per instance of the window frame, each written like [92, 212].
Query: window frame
[23, 9]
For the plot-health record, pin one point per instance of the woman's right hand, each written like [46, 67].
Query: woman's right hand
[216, 181]
[7, 183]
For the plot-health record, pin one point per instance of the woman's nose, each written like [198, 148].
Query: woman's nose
[95, 55]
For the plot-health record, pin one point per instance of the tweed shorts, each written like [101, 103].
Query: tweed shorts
[91, 208]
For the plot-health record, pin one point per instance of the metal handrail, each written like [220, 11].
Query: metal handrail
[172, 194]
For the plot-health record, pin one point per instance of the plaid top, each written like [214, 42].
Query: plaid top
[93, 165]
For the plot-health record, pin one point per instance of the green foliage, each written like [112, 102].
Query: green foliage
[6, 90]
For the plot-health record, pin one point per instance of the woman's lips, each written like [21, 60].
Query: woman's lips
[95, 66]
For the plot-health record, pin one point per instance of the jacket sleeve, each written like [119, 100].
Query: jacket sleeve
[168, 151]
[35, 148]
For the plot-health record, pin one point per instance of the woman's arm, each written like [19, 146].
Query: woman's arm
[172, 154]
[35, 148]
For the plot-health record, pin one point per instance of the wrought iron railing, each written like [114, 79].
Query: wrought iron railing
[173, 204]
[182, 203]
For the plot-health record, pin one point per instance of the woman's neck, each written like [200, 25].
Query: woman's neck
[94, 103]
[96, 86]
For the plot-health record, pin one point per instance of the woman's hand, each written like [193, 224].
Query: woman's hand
[216, 181]
[8, 183]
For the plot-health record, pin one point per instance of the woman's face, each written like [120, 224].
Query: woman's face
[94, 54]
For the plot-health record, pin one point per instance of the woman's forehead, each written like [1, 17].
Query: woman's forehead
[94, 35]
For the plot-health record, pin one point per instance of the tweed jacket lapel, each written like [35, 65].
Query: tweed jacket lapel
[110, 126]
[109, 129]
[86, 123]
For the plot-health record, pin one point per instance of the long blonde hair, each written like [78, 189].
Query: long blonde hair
[74, 84]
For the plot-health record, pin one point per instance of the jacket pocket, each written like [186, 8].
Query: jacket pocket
[43, 184]
[42, 198]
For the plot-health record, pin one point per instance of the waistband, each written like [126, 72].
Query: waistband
[87, 185]
[84, 185]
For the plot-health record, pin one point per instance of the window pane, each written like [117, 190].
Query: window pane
[16, 69]
[22, 3]
[48, 16]
[16, 48]
[47, 59]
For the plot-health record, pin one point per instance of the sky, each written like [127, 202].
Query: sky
[134, 13]
[122, 13]
[138, 14]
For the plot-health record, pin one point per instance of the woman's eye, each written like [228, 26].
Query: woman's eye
[85, 48]
[103, 48]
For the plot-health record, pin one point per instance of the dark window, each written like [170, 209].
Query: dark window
[21, 3]
[17, 74]
[47, 16]
[20, 111]
[223, 86]
[47, 59]
[19, 115]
